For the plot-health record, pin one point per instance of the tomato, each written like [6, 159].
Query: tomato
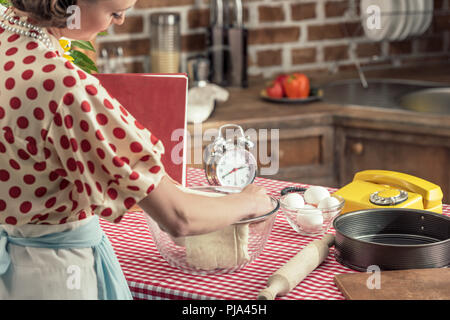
[280, 80]
[296, 86]
[275, 90]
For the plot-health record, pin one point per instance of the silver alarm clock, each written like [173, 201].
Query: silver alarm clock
[228, 162]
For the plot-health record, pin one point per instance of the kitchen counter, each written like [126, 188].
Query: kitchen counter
[246, 108]
[326, 144]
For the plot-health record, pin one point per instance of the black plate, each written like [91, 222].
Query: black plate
[315, 95]
[392, 239]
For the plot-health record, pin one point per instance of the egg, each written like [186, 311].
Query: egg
[314, 194]
[328, 203]
[294, 200]
[310, 219]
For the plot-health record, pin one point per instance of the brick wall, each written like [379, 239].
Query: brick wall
[295, 35]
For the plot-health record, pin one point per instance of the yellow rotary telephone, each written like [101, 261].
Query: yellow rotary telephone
[372, 189]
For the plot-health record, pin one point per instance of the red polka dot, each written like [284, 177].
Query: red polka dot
[119, 133]
[15, 192]
[53, 106]
[8, 135]
[29, 179]
[118, 162]
[69, 65]
[74, 206]
[155, 169]
[23, 154]
[102, 119]
[40, 192]
[101, 153]
[4, 175]
[11, 51]
[80, 166]
[136, 147]
[50, 55]
[98, 186]
[133, 188]
[27, 74]
[84, 126]
[85, 146]
[64, 141]
[69, 81]
[108, 104]
[106, 212]
[25, 207]
[49, 68]
[71, 164]
[91, 166]
[50, 202]
[32, 93]
[82, 215]
[123, 119]
[85, 106]
[74, 144]
[150, 189]
[10, 83]
[9, 65]
[40, 166]
[14, 164]
[2, 148]
[154, 139]
[31, 145]
[79, 186]
[68, 99]
[91, 90]
[61, 209]
[134, 175]
[64, 184]
[49, 84]
[2, 113]
[29, 59]
[88, 189]
[113, 147]
[68, 121]
[58, 119]
[112, 193]
[10, 220]
[15, 103]
[32, 45]
[22, 122]
[13, 38]
[99, 135]
[82, 74]
[129, 202]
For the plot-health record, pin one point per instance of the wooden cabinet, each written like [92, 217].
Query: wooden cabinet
[423, 155]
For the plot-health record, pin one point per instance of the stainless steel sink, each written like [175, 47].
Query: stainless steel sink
[416, 96]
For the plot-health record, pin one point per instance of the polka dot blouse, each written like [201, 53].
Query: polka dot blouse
[68, 150]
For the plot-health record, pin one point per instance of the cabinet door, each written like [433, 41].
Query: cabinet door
[427, 157]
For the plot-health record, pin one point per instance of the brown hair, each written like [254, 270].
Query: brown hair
[48, 13]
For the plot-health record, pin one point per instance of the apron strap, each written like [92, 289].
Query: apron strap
[111, 282]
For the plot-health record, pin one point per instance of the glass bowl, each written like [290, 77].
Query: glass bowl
[224, 251]
[310, 220]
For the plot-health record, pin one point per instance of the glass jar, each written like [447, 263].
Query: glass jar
[165, 41]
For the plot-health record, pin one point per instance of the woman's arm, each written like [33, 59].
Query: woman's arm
[182, 214]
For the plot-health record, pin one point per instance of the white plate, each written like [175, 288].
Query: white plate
[386, 6]
[409, 20]
[418, 16]
[429, 5]
[398, 19]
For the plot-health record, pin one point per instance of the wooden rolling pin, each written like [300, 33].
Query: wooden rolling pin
[295, 270]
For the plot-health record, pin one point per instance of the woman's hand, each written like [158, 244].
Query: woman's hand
[258, 196]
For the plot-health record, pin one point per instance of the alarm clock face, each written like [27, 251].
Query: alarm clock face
[236, 167]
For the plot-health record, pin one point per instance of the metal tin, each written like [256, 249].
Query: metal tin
[392, 239]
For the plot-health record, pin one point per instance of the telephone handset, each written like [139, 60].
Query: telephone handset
[381, 188]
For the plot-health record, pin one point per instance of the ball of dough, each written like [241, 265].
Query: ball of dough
[314, 194]
[294, 200]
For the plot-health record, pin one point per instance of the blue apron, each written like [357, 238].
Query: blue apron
[111, 282]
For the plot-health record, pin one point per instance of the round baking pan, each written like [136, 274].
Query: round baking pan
[392, 239]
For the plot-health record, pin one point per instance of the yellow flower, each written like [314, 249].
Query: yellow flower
[66, 45]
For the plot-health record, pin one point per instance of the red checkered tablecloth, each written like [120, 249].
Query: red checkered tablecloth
[151, 277]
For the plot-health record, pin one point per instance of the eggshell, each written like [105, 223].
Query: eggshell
[314, 194]
[294, 200]
[327, 203]
[310, 221]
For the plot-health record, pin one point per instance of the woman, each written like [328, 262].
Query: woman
[70, 153]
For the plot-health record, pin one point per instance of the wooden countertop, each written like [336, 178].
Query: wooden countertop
[246, 108]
